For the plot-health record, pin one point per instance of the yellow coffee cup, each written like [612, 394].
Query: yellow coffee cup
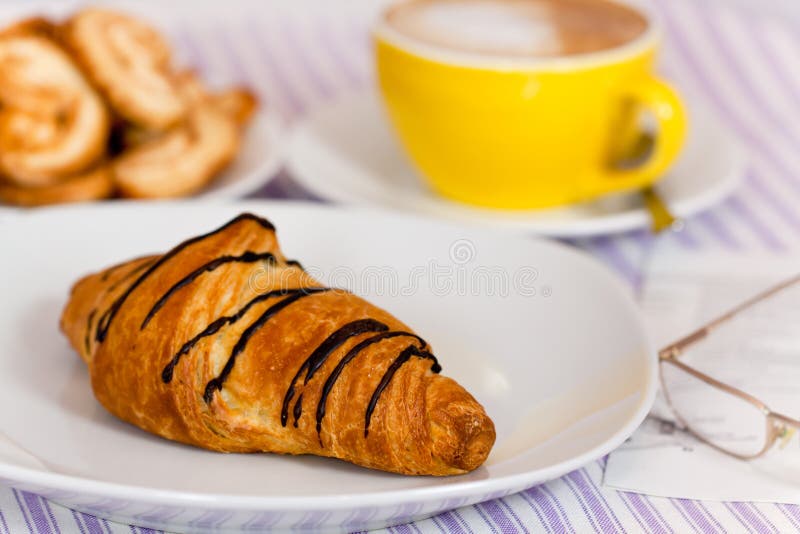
[521, 133]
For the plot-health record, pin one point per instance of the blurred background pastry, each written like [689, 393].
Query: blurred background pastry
[93, 107]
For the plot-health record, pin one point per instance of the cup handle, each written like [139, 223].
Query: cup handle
[665, 105]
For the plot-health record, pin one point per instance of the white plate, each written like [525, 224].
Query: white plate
[346, 152]
[566, 374]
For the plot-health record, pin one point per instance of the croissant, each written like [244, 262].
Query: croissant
[130, 63]
[53, 123]
[225, 344]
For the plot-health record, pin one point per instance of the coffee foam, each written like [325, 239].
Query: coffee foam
[483, 26]
[517, 28]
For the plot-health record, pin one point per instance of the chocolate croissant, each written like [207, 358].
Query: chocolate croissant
[225, 344]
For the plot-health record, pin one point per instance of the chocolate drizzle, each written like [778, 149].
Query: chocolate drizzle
[108, 316]
[215, 326]
[321, 354]
[139, 268]
[351, 354]
[87, 337]
[310, 366]
[104, 277]
[111, 270]
[404, 356]
[247, 257]
[298, 409]
[215, 384]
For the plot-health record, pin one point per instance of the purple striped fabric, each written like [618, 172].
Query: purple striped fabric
[743, 66]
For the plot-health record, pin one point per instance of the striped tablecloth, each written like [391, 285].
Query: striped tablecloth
[738, 58]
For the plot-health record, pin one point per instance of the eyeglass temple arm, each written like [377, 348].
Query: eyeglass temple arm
[675, 349]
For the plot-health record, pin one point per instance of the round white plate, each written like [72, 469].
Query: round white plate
[544, 336]
[346, 152]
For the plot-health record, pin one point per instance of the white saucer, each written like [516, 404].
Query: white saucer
[558, 400]
[347, 153]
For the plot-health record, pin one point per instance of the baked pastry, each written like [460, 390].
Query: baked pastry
[238, 103]
[96, 98]
[130, 63]
[182, 160]
[52, 122]
[33, 26]
[225, 344]
[186, 158]
[93, 184]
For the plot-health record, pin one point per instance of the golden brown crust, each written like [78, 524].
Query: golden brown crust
[181, 161]
[95, 289]
[95, 184]
[101, 86]
[40, 26]
[238, 103]
[130, 63]
[53, 122]
[422, 423]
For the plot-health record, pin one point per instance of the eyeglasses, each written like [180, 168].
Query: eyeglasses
[717, 413]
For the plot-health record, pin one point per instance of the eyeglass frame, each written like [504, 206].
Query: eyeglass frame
[776, 422]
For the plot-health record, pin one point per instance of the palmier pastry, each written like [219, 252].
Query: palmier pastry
[237, 102]
[130, 62]
[94, 184]
[182, 160]
[52, 123]
[33, 26]
[225, 344]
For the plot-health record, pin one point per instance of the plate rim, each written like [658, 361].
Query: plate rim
[501, 485]
[623, 221]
